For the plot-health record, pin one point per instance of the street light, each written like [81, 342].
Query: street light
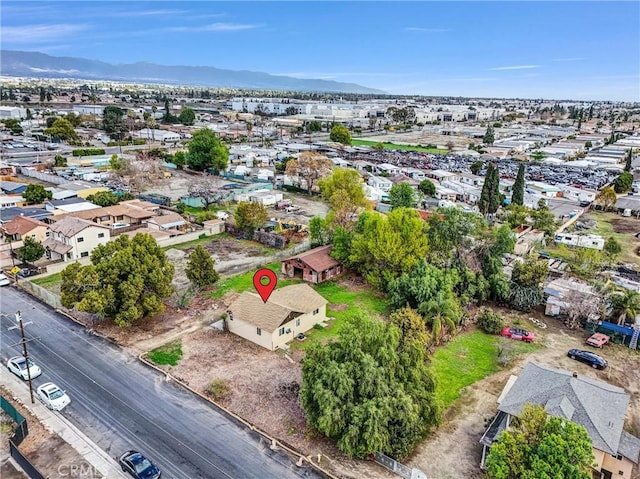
[24, 341]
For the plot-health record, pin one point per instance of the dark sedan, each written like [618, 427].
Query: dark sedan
[138, 466]
[588, 357]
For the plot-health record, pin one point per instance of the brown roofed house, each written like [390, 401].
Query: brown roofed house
[288, 312]
[314, 266]
[21, 227]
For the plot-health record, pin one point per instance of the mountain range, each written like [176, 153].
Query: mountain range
[40, 65]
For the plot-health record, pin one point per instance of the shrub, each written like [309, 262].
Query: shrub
[88, 152]
[489, 321]
[218, 389]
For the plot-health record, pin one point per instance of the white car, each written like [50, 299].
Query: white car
[18, 366]
[4, 281]
[53, 397]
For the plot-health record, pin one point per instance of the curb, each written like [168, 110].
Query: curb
[275, 443]
[69, 433]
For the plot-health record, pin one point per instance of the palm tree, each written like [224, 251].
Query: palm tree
[625, 304]
[442, 314]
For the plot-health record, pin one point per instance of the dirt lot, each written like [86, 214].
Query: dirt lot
[178, 185]
[51, 455]
[422, 138]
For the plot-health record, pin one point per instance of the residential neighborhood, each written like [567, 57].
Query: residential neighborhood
[333, 240]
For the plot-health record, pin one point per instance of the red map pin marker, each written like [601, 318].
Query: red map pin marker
[263, 287]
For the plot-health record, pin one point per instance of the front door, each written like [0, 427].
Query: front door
[604, 474]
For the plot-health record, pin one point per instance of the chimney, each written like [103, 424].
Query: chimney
[575, 374]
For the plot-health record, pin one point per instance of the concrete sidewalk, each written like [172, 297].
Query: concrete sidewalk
[90, 451]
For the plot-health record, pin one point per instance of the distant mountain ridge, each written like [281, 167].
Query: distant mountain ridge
[35, 64]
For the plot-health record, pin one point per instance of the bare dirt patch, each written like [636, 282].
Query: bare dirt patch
[47, 451]
[625, 225]
[263, 389]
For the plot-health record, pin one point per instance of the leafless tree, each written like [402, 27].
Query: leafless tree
[208, 194]
[581, 307]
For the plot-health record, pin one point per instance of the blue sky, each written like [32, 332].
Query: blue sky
[542, 49]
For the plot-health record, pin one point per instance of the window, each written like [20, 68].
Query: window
[316, 311]
[259, 331]
[298, 322]
[80, 239]
[100, 235]
[84, 254]
[280, 331]
[618, 457]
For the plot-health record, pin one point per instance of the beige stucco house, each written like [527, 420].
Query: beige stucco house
[597, 406]
[74, 238]
[21, 227]
[288, 312]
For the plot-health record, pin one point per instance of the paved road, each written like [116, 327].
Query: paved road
[121, 404]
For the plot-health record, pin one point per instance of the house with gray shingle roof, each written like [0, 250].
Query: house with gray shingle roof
[288, 312]
[597, 406]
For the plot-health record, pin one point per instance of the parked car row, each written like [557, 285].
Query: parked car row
[56, 399]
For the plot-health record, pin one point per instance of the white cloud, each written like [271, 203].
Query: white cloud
[426, 30]
[40, 33]
[214, 27]
[515, 67]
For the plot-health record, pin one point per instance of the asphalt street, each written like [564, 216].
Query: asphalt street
[122, 404]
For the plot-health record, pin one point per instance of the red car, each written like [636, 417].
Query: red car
[598, 340]
[518, 334]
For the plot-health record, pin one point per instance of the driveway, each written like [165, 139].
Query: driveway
[121, 404]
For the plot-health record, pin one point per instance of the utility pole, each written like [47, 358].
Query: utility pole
[24, 341]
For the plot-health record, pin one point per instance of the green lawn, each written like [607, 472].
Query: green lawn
[47, 280]
[396, 146]
[466, 359]
[336, 294]
[169, 354]
[243, 282]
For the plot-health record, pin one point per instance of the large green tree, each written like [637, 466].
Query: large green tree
[187, 116]
[113, 123]
[450, 231]
[31, 250]
[526, 283]
[540, 447]
[207, 151]
[384, 247]
[104, 198]
[370, 391]
[250, 216]
[427, 188]
[628, 159]
[310, 167]
[35, 193]
[623, 183]
[340, 134]
[490, 194]
[402, 195]
[544, 220]
[344, 193]
[517, 196]
[606, 197]
[62, 129]
[127, 280]
[201, 268]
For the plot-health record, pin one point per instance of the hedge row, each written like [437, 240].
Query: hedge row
[88, 152]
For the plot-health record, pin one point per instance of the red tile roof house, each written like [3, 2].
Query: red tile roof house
[314, 266]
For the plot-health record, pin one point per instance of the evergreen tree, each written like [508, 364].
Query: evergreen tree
[627, 164]
[489, 136]
[201, 268]
[483, 203]
[517, 197]
[494, 191]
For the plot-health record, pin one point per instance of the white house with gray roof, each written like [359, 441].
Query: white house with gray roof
[597, 406]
